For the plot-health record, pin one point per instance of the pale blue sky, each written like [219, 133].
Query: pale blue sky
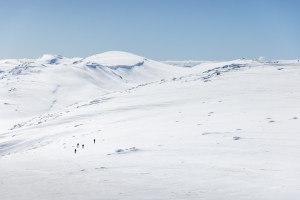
[157, 29]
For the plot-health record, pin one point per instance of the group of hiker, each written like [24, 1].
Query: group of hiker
[82, 146]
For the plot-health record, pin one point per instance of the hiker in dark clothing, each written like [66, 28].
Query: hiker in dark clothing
[75, 151]
[83, 146]
[94, 141]
[77, 145]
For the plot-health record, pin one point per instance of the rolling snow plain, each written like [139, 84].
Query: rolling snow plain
[163, 130]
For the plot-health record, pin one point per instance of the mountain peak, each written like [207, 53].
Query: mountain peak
[115, 58]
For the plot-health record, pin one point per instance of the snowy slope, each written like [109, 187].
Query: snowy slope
[217, 130]
[32, 87]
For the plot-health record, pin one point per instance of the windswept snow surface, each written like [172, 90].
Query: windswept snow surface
[214, 130]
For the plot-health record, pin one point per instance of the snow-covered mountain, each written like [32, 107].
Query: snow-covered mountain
[33, 87]
[162, 130]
